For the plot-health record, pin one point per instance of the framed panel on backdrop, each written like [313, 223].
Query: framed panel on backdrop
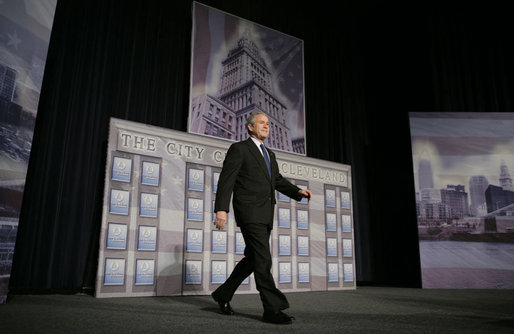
[158, 238]
[464, 196]
[239, 67]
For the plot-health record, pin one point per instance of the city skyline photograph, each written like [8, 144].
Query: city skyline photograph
[462, 165]
[462, 147]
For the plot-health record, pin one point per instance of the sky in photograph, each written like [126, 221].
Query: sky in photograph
[460, 145]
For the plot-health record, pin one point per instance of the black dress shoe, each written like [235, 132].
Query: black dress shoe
[279, 318]
[225, 307]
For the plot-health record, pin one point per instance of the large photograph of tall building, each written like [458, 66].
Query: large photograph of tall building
[239, 67]
[464, 198]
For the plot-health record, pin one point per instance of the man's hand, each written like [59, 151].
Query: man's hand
[221, 218]
[305, 193]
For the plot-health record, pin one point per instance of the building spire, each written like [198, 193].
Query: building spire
[505, 179]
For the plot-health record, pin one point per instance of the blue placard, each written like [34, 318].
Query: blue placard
[345, 200]
[284, 217]
[213, 213]
[145, 272]
[303, 245]
[195, 209]
[346, 222]
[333, 272]
[284, 272]
[119, 204]
[348, 272]
[218, 272]
[331, 247]
[147, 239]
[283, 198]
[193, 272]
[195, 180]
[347, 248]
[121, 169]
[240, 243]
[219, 242]
[215, 178]
[302, 219]
[303, 272]
[330, 198]
[284, 245]
[150, 173]
[194, 240]
[149, 205]
[331, 222]
[116, 236]
[114, 272]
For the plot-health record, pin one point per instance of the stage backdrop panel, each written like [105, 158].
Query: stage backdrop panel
[158, 238]
[25, 28]
[464, 198]
[239, 67]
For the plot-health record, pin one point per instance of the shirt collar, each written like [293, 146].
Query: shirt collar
[258, 143]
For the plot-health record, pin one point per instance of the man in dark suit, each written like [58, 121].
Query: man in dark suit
[250, 172]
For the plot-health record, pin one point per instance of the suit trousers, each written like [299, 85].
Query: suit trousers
[257, 260]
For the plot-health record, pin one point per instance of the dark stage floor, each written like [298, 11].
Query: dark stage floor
[365, 310]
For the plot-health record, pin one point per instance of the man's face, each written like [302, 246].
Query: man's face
[260, 127]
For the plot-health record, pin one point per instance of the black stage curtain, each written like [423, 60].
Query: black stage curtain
[367, 64]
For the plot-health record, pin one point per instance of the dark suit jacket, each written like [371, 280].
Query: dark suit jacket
[245, 175]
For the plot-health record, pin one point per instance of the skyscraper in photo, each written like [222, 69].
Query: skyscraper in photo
[245, 86]
[505, 179]
[497, 198]
[456, 198]
[477, 186]
[7, 82]
[425, 174]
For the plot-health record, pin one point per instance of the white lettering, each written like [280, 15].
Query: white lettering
[126, 137]
[151, 144]
[218, 156]
[199, 150]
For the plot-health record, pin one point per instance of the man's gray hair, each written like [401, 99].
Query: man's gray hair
[251, 119]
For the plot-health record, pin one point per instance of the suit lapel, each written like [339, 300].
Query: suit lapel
[258, 156]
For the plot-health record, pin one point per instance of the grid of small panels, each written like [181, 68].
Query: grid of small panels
[293, 235]
[158, 237]
[130, 239]
[209, 254]
[339, 237]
